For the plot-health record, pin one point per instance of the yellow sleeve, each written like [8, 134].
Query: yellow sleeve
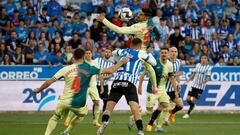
[121, 30]
[59, 74]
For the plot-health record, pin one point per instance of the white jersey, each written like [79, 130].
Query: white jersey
[103, 64]
[201, 73]
[130, 71]
[176, 67]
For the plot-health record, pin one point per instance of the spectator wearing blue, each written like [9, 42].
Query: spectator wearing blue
[22, 31]
[120, 5]
[136, 7]
[218, 11]
[23, 9]
[224, 29]
[52, 30]
[4, 22]
[10, 6]
[191, 9]
[58, 59]
[167, 10]
[109, 9]
[237, 30]
[30, 19]
[205, 7]
[226, 55]
[231, 42]
[38, 29]
[54, 9]
[82, 27]
[195, 31]
[44, 18]
[68, 28]
[208, 31]
[42, 57]
[175, 17]
[215, 44]
[237, 52]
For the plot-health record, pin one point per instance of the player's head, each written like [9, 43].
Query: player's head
[107, 53]
[204, 59]
[173, 53]
[136, 43]
[78, 54]
[88, 54]
[144, 14]
[164, 53]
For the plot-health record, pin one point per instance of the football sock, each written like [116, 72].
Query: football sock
[139, 125]
[154, 117]
[105, 118]
[191, 106]
[176, 109]
[96, 112]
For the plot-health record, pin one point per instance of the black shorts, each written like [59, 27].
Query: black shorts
[172, 95]
[120, 88]
[104, 95]
[195, 92]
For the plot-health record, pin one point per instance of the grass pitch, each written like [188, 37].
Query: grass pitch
[198, 124]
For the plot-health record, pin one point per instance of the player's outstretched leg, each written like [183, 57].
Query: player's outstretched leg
[178, 107]
[52, 124]
[106, 116]
[161, 120]
[191, 104]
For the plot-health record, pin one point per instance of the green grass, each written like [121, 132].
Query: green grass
[198, 124]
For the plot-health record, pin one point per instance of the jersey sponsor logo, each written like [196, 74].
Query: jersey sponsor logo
[41, 99]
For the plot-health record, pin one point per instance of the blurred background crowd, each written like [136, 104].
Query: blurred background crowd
[45, 32]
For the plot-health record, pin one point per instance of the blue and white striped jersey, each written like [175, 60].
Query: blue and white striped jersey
[103, 64]
[215, 45]
[201, 73]
[176, 68]
[130, 71]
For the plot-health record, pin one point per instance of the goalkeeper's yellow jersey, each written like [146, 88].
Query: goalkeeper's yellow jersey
[142, 30]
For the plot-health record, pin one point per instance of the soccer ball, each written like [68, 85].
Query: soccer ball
[125, 14]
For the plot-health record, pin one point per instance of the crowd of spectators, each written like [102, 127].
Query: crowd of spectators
[45, 32]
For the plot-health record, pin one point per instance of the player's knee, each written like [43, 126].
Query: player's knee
[180, 106]
[165, 105]
[96, 103]
[107, 112]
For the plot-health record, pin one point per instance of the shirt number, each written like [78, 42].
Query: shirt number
[76, 86]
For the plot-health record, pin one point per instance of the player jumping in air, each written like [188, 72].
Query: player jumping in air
[77, 77]
[145, 29]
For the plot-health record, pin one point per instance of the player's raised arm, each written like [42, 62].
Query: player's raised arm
[148, 58]
[115, 67]
[121, 30]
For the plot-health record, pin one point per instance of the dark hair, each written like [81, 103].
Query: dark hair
[147, 12]
[164, 48]
[220, 57]
[136, 41]
[204, 55]
[88, 50]
[78, 54]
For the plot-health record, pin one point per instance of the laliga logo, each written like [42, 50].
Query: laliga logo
[44, 97]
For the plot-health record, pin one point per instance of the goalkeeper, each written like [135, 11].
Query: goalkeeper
[145, 29]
